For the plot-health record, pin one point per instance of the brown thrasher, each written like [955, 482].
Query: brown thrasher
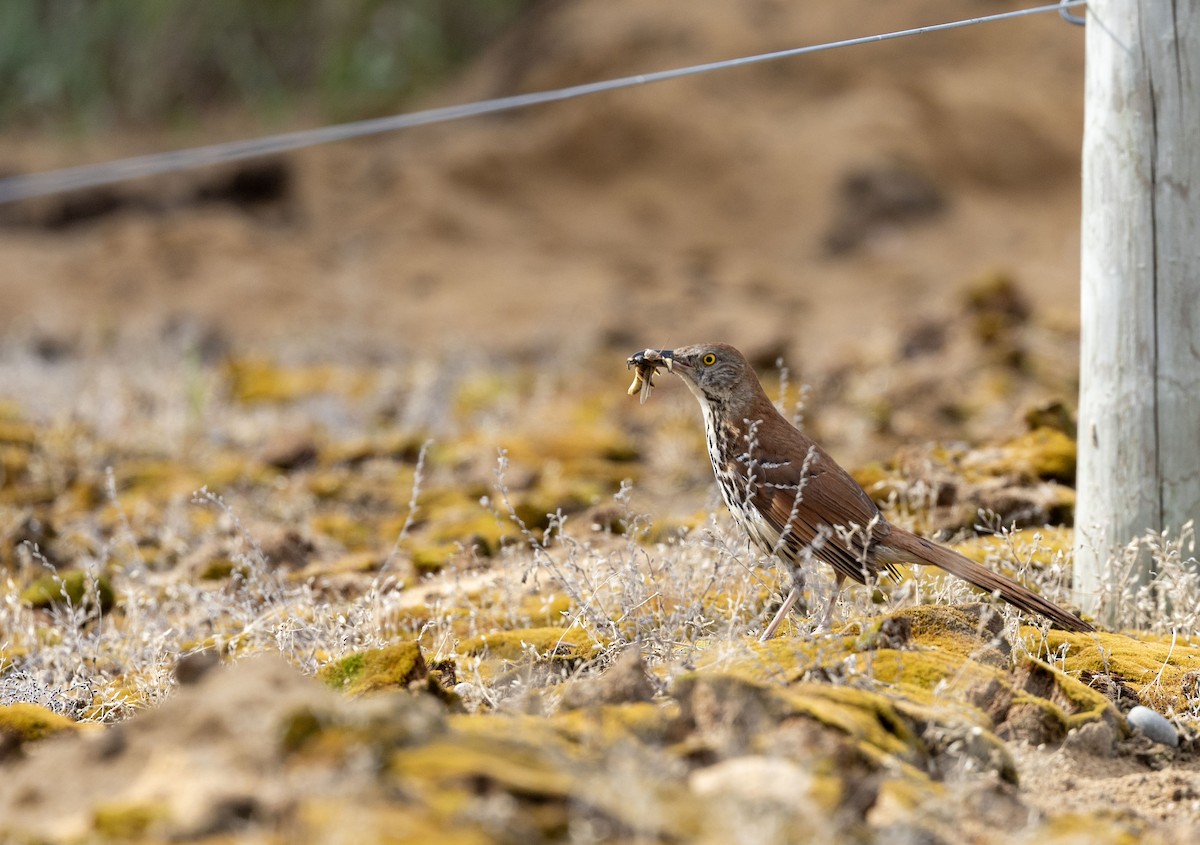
[796, 502]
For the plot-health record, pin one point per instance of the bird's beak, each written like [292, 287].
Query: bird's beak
[647, 363]
[652, 358]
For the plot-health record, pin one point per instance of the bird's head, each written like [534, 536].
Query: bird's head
[717, 373]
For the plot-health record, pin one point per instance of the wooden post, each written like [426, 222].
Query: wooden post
[1139, 398]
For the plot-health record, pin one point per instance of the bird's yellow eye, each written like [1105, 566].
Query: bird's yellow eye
[709, 359]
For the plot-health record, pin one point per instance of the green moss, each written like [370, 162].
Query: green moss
[395, 666]
[31, 722]
[78, 588]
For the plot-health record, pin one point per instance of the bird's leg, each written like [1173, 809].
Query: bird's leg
[788, 601]
[827, 619]
[793, 596]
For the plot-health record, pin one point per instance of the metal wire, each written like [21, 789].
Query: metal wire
[93, 175]
[1068, 17]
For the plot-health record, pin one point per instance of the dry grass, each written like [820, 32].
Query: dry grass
[609, 575]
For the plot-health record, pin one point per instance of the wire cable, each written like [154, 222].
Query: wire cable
[26, 186]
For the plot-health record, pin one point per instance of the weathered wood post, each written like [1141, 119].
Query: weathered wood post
[1139, 398]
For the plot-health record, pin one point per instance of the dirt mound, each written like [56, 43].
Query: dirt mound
[810, 206]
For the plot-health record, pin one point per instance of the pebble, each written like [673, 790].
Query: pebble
[1153, 725]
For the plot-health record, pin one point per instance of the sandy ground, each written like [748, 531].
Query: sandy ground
[821, 206]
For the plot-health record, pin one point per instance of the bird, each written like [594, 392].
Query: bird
[794, 500]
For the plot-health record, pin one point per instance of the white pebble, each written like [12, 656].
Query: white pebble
[1153, 725]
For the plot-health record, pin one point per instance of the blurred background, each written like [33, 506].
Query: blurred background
[896, 222]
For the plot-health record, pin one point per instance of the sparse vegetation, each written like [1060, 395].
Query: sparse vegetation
[83, 65]
[183, 531]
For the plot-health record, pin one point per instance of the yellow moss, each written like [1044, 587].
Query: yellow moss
[784, 657]
[315, 735]
[31, 722]
[395, 666]
[79, 588]
[1060, 702]
[253, 381]
[827, 791]
[220, 568]
[1149, 664]
[327, 484]
[863, 715]
[879, 481]
[392, 445]
[513, 645]
[916, 674]
[128, 820]
[1100, 827]
[545, 608]
[352, 532]
[519, 755]
[671, 529]
[156, 479]
[322, 819]
[900, 797]
[17, 432]
[357, 562]
[1045, 453]
[473, 527]
[1040, 547]
[513, 766]
[606, 726]
[427, 560]
[14, 465]
[225, 469]
[486, 390]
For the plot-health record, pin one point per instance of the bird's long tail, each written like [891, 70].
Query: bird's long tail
[909, 547]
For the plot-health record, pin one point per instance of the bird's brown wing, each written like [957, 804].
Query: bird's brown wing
[808, 500]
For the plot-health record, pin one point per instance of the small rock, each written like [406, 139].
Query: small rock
[1153, 725]
[286, 548]
[289, 451]
[1095, 738]
[195, 665]
[752, 778]
[625, 681]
